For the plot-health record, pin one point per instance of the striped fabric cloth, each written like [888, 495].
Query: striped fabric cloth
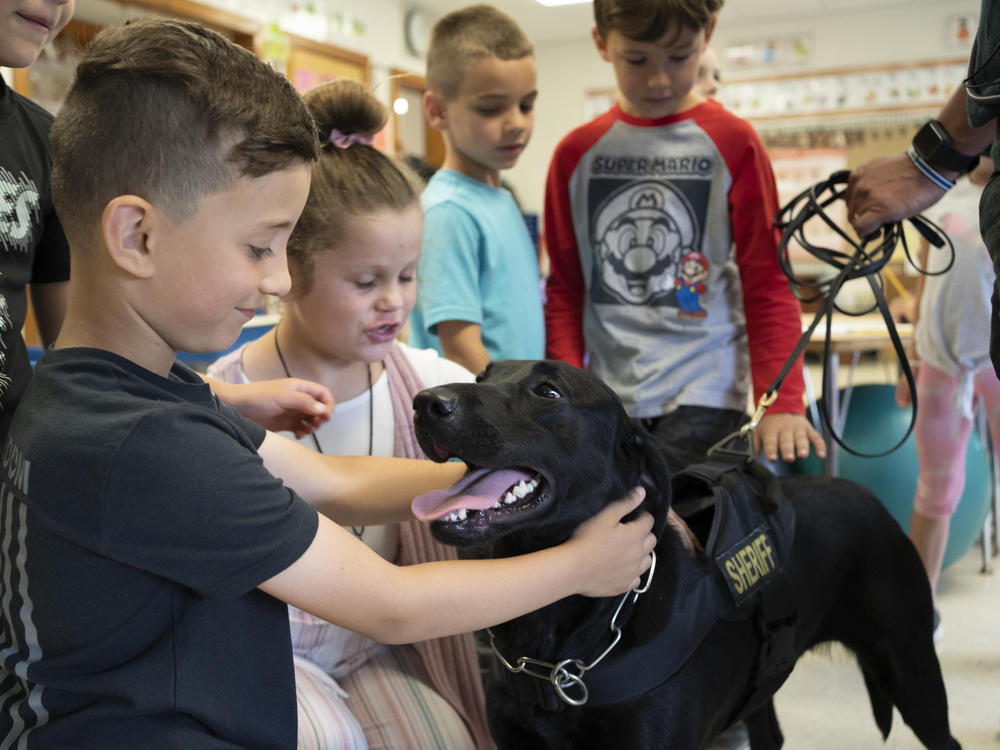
[386, 704]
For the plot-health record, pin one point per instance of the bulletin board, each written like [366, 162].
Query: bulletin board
[311, 63]
[845, 91]
[861, 92]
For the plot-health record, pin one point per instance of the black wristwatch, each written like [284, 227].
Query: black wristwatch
[933, 144]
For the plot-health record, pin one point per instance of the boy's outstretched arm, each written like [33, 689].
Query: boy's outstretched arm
[355, 490]
[283, 405]
[341, 580]
[787, 434]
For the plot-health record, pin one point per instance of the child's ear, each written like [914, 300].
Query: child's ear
[436, 110]
[601, 43]
[710, 29]
[125, 224]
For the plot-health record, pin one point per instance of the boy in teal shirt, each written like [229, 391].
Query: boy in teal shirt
[479, 294]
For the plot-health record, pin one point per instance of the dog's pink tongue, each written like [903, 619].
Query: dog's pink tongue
[477, 490]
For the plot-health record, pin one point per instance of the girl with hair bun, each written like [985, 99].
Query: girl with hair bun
[353, 258]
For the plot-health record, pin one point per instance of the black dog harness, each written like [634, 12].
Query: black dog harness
[752, 529]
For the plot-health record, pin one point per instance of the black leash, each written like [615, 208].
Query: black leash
[869, 256]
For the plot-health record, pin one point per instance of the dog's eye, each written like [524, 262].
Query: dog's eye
[546, 390]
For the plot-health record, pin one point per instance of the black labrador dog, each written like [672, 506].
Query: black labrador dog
[548, 445]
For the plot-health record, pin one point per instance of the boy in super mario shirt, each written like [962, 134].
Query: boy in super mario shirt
[658, 219]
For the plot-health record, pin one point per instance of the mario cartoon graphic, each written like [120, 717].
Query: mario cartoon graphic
[690, 285]
[641, 232]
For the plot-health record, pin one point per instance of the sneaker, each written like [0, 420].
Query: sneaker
[938, 630]
[733, 738]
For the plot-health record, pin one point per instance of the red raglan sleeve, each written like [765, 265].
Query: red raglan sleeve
[773, 314]
[565, 288]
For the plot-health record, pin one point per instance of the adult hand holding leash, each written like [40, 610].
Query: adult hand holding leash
[886, 190]
[889, 189]
[615, 553]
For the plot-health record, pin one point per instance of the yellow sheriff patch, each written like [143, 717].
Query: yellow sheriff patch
[749, 564]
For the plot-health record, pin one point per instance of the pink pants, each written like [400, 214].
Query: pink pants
[942, 436]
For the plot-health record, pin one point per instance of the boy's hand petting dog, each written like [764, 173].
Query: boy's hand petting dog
[613, 555]
[790, 434]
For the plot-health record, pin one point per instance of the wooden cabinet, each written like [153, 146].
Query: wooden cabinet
[412, 135]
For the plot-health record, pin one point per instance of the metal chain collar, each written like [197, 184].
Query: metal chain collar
[560, 675]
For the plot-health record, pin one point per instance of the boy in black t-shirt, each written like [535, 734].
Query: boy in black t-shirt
[32, 245]
[147, 541]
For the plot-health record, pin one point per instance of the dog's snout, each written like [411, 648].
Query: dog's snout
[436, 403]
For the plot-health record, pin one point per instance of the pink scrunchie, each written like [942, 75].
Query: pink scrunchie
[343, 140]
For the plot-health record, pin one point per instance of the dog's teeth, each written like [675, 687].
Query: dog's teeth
[463, 514]
[509, 498]
[520, 489]
[497, 504]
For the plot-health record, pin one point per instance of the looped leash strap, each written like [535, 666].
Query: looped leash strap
[869, 256]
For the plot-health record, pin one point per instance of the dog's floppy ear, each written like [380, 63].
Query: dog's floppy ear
[641, 451]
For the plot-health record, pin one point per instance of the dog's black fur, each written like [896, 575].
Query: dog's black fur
[855, 576]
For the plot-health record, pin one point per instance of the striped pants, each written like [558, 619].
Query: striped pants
[385, 704]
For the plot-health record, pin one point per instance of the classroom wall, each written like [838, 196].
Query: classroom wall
[911, 31]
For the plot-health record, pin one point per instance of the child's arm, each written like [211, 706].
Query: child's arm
[462, 342]
[449, 293]
[355, 490]
[285, 405]
[564, 287]
[341, 580]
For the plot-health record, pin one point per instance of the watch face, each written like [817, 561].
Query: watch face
[929, 139]
[933, 144]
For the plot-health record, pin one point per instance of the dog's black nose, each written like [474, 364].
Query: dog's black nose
[436, 403]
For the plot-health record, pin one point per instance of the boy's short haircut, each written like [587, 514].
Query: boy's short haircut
[472, 33]
[649, 20]
[171, 112]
